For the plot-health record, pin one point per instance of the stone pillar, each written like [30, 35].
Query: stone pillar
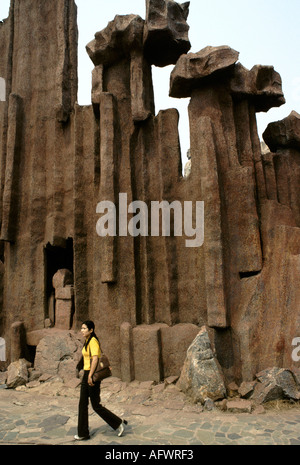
[63, 285]
[108, 162]
[147, 352]
[227, 164]
[127, 363]
[10, 199]
[18, 346]
[122, 37]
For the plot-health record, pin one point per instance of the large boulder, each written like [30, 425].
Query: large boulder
[58, 354]
[201, 376]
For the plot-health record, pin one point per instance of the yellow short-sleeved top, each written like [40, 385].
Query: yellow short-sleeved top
[92, 349]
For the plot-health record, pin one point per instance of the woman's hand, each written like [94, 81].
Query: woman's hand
[90, 381]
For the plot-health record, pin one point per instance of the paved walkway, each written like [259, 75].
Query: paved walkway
[48, 415]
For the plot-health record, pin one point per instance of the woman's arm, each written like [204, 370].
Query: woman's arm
[92, 369]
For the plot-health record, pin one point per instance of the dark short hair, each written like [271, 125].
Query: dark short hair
[90, 324]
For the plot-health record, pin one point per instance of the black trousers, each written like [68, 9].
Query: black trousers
[93, 392]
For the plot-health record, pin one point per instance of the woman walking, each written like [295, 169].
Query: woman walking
[91, 352]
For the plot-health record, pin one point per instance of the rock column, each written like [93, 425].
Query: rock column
[63, 285]
[226, 162]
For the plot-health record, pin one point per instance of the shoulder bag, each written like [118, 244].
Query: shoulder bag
[102, 369]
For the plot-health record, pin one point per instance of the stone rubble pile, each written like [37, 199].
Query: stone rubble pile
[202, 381]
[200, 386]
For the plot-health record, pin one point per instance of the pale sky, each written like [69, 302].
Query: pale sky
[265, 32]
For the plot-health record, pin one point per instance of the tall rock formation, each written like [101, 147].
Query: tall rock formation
[39, 64]
[148, 294]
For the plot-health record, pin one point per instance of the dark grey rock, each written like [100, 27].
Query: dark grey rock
[201, 376]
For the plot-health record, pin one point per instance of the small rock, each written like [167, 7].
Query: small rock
[45, 377]
[258, 410]
[21, 388]
[146, 384]
[209, 405]
[232, 389]
[246, 388]
[158, 388]
[173, 388]
[34, 374]
[239, 406]
[171, 380]
[32, 384]
[222, 405]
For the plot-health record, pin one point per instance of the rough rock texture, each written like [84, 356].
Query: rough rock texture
[262, 85]
[201, 376]
[18, 341]
[63, 312]
[122, 39]
[121, 36]
[246, 388]
[36, 153]
[239, 406]
[17, 373]
[283, 134]
[59, 160]
[166, 31]
[283, 139]
[58, 354]
[276, 383]
[192, 69]
[249, 232]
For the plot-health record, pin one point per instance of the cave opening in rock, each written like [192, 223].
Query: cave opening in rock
[56, 258]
